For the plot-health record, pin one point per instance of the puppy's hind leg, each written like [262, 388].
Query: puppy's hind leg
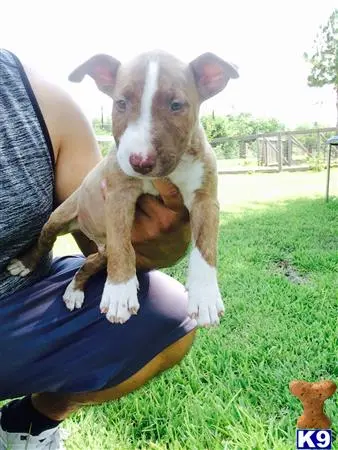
[74, 294]
[59, 222]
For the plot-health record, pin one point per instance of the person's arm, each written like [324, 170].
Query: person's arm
[75, 148]
[78, 153]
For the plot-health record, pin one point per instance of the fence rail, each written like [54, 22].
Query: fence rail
[274, 133]
[275, 151]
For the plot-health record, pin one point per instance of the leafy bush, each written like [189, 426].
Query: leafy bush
[316, 162]
[231, 126]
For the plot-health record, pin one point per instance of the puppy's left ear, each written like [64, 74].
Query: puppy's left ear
[212, 74]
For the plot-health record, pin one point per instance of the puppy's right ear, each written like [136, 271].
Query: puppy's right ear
[102, 68]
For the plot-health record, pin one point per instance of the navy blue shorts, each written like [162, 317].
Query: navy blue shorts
[46, 348]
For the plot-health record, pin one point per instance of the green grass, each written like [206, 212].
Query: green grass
[231, 391]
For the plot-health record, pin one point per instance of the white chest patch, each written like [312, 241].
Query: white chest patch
[188, 177]
[148, 188]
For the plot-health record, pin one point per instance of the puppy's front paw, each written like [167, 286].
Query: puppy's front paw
[72, 297]
[17, 267]
[205, 303]
[119, 301]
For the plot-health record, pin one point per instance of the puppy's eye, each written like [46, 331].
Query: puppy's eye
[175, 105]
[121, 105]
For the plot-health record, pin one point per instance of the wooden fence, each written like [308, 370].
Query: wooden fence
[277, 150]
[290, 150]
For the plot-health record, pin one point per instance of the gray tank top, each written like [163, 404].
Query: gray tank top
[26, 172]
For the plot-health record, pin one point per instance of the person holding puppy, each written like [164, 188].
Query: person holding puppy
[56, 360]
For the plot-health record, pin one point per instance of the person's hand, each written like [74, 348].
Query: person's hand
[161, 231]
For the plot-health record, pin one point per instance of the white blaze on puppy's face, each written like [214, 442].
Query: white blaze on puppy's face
[137, 136]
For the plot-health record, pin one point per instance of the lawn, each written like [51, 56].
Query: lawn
[278, 265]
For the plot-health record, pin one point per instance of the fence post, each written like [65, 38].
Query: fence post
[290, 149]
[280, 153]
[259, 156]
[328, 174]
[242, 149]
[318, 144]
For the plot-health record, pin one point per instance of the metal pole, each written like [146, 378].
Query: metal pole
[328, 173]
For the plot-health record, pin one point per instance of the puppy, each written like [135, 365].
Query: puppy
[158, 135]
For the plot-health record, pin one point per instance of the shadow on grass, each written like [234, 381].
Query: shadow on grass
[276, 232]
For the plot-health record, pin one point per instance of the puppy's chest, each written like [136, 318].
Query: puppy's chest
[188, 177]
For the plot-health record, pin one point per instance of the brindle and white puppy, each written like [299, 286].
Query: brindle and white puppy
[158, 135]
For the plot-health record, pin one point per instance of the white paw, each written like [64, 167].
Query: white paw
[72, 297]
[119, 301]
[205, 302]
[16, 267]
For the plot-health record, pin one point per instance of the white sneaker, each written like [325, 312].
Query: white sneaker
[47, 440]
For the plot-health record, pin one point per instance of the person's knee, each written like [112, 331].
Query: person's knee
[59, 406]
[170, 356]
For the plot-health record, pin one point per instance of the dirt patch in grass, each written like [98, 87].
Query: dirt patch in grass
[291, 273]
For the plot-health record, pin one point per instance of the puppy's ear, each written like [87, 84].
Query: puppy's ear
[212, 74]
[102, 68]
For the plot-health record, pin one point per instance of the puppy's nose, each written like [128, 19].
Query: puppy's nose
[142, 164]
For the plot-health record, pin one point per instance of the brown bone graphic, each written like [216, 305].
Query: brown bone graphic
[313, 396]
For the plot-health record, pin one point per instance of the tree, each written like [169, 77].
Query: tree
[241, 124]
[324, 57]
[233, 126]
